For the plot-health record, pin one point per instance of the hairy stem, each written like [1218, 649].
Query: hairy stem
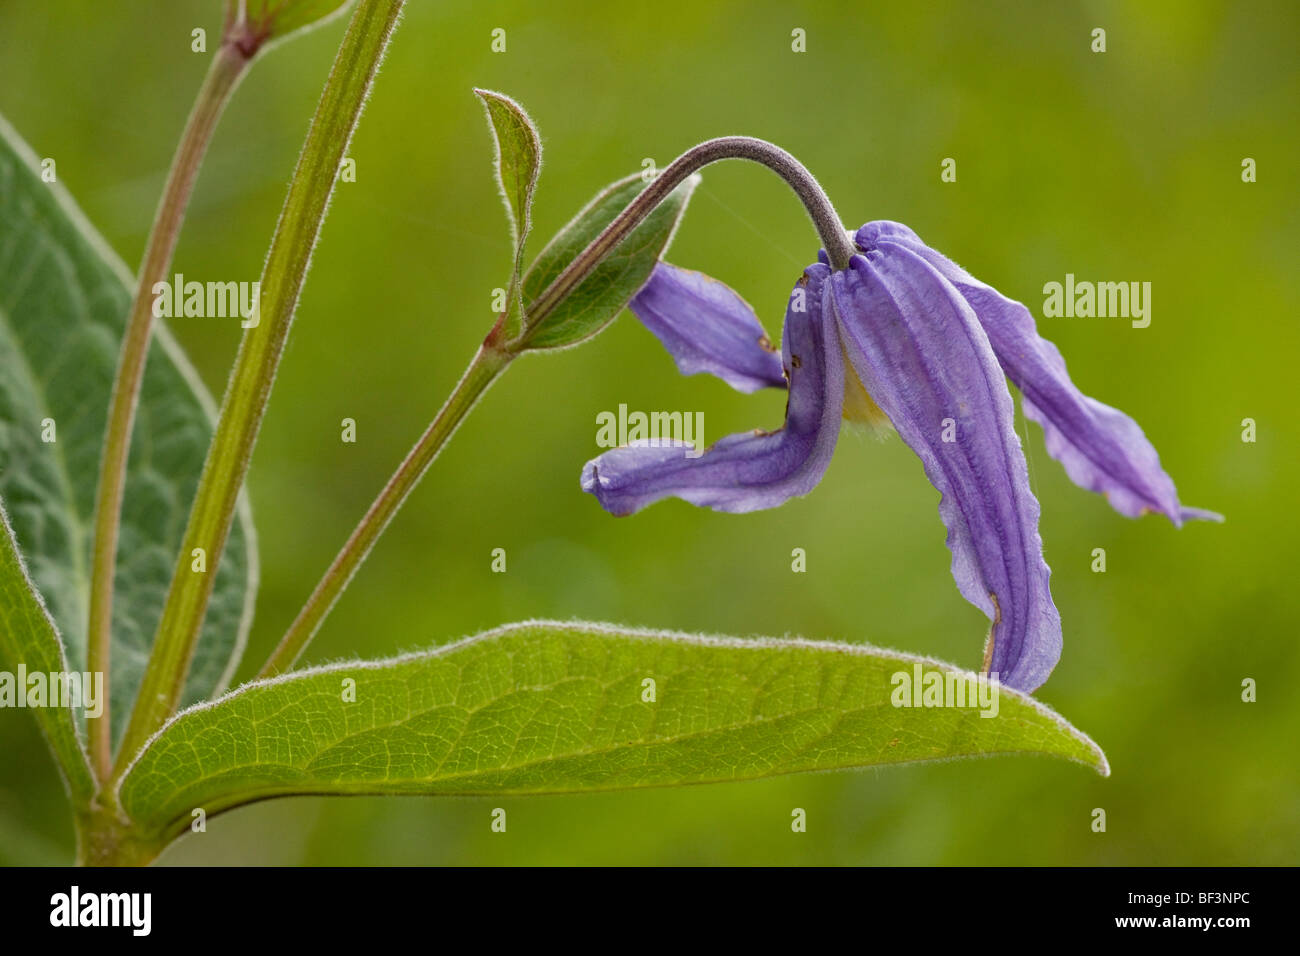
[829, 227]
[105, 839]
[249, 388]
[228, 66]
[487, 364]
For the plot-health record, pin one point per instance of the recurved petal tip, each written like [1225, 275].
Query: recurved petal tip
[1198, 514]
[1101, 448]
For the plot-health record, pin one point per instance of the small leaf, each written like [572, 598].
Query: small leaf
[518, 164]
[64, 297]
[600, 297]
[518, 160]
[28, 636]
[267, 21]
[556, 707]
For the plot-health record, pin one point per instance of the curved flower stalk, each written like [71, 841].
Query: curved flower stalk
[902, 334]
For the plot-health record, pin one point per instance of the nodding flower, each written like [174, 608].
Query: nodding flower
[902, 335]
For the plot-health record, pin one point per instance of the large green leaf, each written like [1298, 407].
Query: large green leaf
[546, 707]
[28, 637]
[63, 303]
[601, 296]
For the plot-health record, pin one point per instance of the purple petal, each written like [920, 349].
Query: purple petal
[922, 355]
[706, 327]
[753, 470]
[1101, 448]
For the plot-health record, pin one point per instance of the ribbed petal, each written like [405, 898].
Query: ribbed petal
[1101, 448]
[921, 353]
[706, 327]
[753, 470]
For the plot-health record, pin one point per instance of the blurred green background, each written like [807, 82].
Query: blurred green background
[1117, 166]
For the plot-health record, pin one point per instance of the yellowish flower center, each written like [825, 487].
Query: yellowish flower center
[858, 405]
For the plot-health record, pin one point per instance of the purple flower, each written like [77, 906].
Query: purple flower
[932, 347]
[706, 327]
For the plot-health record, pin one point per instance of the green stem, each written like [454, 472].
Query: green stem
[228, 66]
[105, 838]
[249, 388]
[487, 364]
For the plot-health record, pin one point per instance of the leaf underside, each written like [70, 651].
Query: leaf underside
[553, 707]
[64, 297]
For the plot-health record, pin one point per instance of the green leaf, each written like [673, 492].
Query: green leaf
[63, 302]
[550, 707]
[277, 19]
[518, 164]
[28, 637]
[518, 159]
[600, 297]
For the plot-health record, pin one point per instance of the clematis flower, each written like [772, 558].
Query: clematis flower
[906, 336]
